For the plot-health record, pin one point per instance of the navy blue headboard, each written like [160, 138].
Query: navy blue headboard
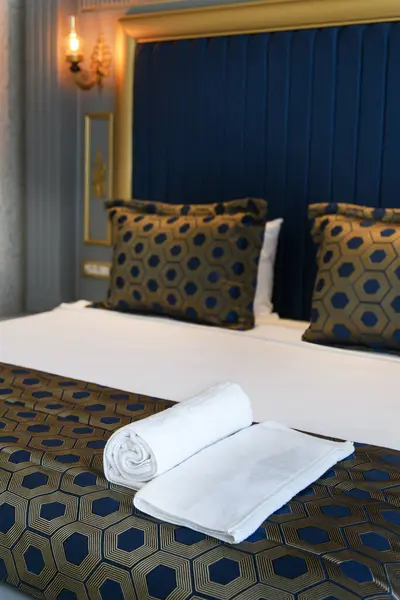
[293, 117]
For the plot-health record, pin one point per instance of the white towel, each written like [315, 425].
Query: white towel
[229, 489]
[145, 449]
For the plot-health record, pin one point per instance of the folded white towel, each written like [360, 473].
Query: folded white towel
[140, 451]
[228, 490]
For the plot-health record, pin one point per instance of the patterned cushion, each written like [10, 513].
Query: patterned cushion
[195, 262]
[356, 298]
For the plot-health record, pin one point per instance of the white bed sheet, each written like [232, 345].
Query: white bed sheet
[347, 394]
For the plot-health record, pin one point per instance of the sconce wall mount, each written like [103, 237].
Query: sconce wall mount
[100, 59]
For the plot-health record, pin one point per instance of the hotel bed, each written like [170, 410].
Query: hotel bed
[339, 538]
[298, 116]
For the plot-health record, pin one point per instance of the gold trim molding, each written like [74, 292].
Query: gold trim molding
[213, 21]
[123, 4]
[256, 17]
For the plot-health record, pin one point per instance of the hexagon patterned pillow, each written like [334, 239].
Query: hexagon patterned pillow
[356, 299]
[192, 262]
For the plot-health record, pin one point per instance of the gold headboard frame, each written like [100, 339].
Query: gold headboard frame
[212, 21]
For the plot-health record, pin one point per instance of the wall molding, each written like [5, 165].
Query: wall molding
[107, 120]
[256, 17]
[98, 5]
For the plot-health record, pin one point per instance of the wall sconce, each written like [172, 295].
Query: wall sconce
[100, 59]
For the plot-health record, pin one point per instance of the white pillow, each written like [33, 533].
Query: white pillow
[265, 279]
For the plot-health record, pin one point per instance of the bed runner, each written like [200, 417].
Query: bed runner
[66, 533]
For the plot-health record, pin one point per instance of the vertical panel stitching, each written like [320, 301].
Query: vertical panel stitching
[244, 108]
[388, 32]
[151, 111]
[333, 113]
[358, 114]
[266, 122]
[287, 102]
[224, 62]
[287, 69]
[305, 236]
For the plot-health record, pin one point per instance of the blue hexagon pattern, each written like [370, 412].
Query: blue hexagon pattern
[68, 530]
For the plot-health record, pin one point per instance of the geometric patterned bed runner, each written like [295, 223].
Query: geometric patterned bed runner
[67, 534]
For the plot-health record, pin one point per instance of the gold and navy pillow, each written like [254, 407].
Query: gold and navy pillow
[192, 262]
[356, 299]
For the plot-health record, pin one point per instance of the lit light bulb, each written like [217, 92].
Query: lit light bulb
[73, 42]
[74, 45]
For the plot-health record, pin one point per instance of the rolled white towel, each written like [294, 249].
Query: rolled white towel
[140, 451]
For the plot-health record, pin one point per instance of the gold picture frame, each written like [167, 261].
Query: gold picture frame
[98, 175]
[96, 269]
[219, 20]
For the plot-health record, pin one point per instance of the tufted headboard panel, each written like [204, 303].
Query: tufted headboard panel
[296, 117]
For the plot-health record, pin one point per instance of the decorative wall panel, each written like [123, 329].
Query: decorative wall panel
[11, 156]
[98, 174]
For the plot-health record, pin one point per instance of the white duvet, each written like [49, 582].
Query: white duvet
[345, 394]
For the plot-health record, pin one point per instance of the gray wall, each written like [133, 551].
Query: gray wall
[52, 157]
[11, 157]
